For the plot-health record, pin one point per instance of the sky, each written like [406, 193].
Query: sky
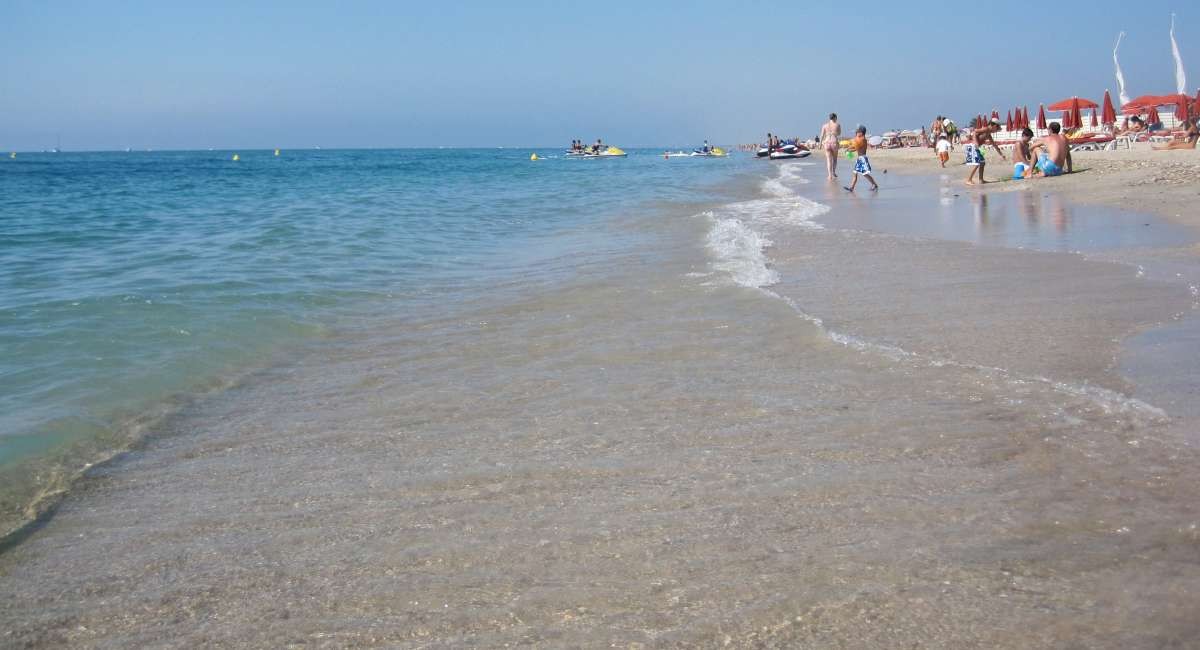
[299, 74]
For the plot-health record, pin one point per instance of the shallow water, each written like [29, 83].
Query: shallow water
[736, 422]
[132, 282]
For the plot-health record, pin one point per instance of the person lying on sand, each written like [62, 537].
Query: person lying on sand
[1189, 142]
[974, 150]
[1055, 154]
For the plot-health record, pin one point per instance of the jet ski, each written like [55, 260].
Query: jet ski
[714, 152]
[607, 152]
[789, 151]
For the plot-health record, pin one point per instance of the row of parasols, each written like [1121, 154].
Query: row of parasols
[1072, 109]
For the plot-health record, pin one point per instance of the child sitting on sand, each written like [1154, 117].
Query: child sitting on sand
[943, 149]
[862, 166]
[1022, 156]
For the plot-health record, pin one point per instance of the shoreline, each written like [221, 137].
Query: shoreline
[655, 454]
[1165, 183]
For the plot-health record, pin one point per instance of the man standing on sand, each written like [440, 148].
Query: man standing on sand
[974, 150]
[862, 166]
[831, 133]
[1055, 153]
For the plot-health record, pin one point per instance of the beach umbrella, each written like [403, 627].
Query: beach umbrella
[1065, 120]
[1008, 123]
[1110, 114]
[1095, 122]
[1181, 107]
[1041, 123]
[995, 114]
[1153, 117]
[1068, 104]
[1197, 105]
[1025, 117]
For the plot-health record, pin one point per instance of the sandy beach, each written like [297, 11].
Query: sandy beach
[791, 417]
[1165, 183]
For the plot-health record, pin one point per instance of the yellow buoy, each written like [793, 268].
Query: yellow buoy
[277, 153]
[236, 157]
[533, 156]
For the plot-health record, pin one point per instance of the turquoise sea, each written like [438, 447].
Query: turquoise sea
[131, 281]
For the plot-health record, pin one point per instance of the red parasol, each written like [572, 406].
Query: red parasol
[1076, 114]
[1110, 114]
[1197, 104]
[1153, 117]
[1041, 123]
[1095, 122]
[1025, 116]
[1181, 107]
[1065, 120]
[1067, 104]
[1139, 105]
[1008, 123]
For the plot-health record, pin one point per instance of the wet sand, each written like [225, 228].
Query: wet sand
[1158, 182]
[909, 440]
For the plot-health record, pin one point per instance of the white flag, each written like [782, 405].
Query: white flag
[1121, 94]
[1180, 77]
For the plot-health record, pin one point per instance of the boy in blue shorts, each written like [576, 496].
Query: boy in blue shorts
[862, 166]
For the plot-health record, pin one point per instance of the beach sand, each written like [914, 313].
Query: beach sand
[1165, 183]
[913, 438]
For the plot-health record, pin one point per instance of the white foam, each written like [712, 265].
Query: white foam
[741, 252]
[1109, 401]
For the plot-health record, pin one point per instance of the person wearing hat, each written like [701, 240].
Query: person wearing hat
[974, 149]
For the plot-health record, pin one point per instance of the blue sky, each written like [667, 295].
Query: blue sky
[106, 75]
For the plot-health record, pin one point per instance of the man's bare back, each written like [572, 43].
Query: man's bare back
[1056, 148]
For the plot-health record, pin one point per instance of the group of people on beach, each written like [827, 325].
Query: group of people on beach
[1049, 155]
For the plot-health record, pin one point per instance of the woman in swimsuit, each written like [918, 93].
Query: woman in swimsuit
[831, 134]
[1191, 135]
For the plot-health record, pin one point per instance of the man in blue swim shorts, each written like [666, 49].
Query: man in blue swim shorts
[974, 150]
[1053, 152]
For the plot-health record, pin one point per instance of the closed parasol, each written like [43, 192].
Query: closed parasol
[1109, 116]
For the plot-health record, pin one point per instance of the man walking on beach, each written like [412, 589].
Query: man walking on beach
[1056, 153]
[831, 133]
[974, 150]
[862, 166]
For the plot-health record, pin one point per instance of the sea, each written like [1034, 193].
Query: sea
[448, 397]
